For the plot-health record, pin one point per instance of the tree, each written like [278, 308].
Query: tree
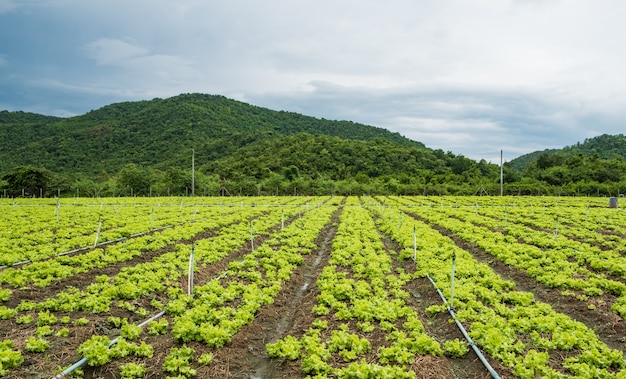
[291, 173]
[176, 181]
[135, 180]
[27, 180]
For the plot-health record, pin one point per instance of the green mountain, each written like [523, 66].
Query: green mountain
[159, 133]
[602, 147]
[147, 145]
[523, 161]
[595, 167]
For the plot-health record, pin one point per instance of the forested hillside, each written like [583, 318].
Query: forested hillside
[146, 148]
[602, 147]
[159, 133]
[597, 165]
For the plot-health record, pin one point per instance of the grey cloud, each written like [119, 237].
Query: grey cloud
[465, 76]
[475, 122]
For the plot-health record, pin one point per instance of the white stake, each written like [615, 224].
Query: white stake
[414, 244]
[251, 238]
[56, 211]
[98, 232]
[556, 229]
[191, 270]
[452, 281]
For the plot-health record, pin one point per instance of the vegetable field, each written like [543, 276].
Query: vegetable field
[320, 287]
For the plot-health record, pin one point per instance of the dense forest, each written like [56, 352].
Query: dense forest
[145, 148]
[596, 166]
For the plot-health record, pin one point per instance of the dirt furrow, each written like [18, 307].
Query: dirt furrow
[245, 356]
[610, 328]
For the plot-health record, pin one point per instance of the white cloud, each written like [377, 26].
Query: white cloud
[455, 74]
[7, 6]
[141, 71]
[109, 51]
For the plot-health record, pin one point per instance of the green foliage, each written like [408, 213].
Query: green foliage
[178, 362]
[81, 321]
[7, 313]
[145, 147]
[44, 331]
[288, 347]
[96, 350]
[132, 371]
[9, 358]
[27, 181]
[46, 318]
[36, 345]
[5, 294]
[455, 348]
[205, 359]
[597, 165]
[363, 369]
[26, 319]
[158, 327]
[130, 331]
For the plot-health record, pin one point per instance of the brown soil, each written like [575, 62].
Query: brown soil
[439, 326]
[291, 313]
[610, 327]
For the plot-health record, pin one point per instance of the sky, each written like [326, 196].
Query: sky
[473, 77]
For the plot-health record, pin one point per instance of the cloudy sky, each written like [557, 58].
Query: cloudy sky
[467, 76]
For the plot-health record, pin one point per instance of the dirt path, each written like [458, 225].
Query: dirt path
[245, 356]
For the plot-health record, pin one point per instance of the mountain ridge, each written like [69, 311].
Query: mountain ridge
[208, 123]
[145, 147]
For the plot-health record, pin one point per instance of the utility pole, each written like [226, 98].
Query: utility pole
[193, 173]
[501, 175]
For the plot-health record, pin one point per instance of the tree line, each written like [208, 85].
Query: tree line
[144, 149]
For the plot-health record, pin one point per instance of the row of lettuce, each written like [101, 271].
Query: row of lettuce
[39, 229]
[578, 250]
[141, 289]
[514, 328]
[362, 300]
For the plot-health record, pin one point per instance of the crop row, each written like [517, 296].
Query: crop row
[136, 290]
[525, 335]
[584, 219]
[34, 231]
[220, 307]
[361, 301]
[561, 263]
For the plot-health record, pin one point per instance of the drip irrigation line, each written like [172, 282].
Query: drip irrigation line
[471, 342]
[88, 247]
[81, 362]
